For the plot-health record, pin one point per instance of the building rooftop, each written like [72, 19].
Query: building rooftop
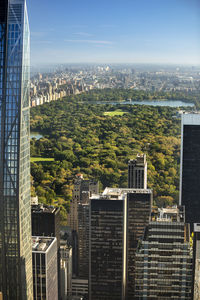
[169, 214]
[41, 244]
[118, 193]
[43, 208]
[140, 159]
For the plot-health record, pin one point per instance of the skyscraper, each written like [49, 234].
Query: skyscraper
[46, 222]
[83, 240]
[107, 271]
[163, 268]
[190, 167]
[117, 220]
[137, 172]
[15, 212]
[45, 273]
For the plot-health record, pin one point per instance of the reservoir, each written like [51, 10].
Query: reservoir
[171, 103]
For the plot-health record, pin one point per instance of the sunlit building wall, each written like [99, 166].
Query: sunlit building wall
[15, 213]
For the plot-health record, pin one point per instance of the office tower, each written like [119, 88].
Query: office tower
[82, 190]
[139, 203]
[137, 172]
[196, 263]
[83, 240]
[15, 213]
[163, 268]
[107, 249]
[117, 220]
[45, 281]
[190, 166]
[46, 221]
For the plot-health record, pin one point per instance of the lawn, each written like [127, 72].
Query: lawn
[114, 113]
[41, 159]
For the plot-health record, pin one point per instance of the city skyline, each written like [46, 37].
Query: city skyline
[115, 32]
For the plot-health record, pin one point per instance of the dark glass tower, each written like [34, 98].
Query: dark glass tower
[15, 212]
[190, 167]
[117, 220]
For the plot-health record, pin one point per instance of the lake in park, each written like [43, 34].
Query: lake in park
[171, 103]
[36, 135]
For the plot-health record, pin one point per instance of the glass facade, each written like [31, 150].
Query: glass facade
[190, 172]
[15, 214]
[139, 213]
[106, 249]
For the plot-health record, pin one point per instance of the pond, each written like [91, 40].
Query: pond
[36, 135]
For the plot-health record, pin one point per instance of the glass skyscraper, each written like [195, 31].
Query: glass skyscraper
[15, 213]
[190, 167]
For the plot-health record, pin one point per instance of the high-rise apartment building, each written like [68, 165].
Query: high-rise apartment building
[190, 166]
[15, 212]
[163, 268]
[45, 273]
[137, 172]
[117, 220]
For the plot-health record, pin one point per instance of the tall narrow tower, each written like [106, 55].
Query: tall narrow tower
[15, 212]
[190, 167]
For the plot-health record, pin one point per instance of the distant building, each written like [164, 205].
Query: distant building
[190, 166]
[83, 189]
[34, 200]
[45, 281]
[80, 195]
[163, 261]
[137, 172]
[117, 220]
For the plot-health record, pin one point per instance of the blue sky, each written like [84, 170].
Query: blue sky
[115, 31]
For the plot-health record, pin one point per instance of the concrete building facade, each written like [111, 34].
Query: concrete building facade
[45, 273]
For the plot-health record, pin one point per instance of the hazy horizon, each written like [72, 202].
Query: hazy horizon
[145, 32]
